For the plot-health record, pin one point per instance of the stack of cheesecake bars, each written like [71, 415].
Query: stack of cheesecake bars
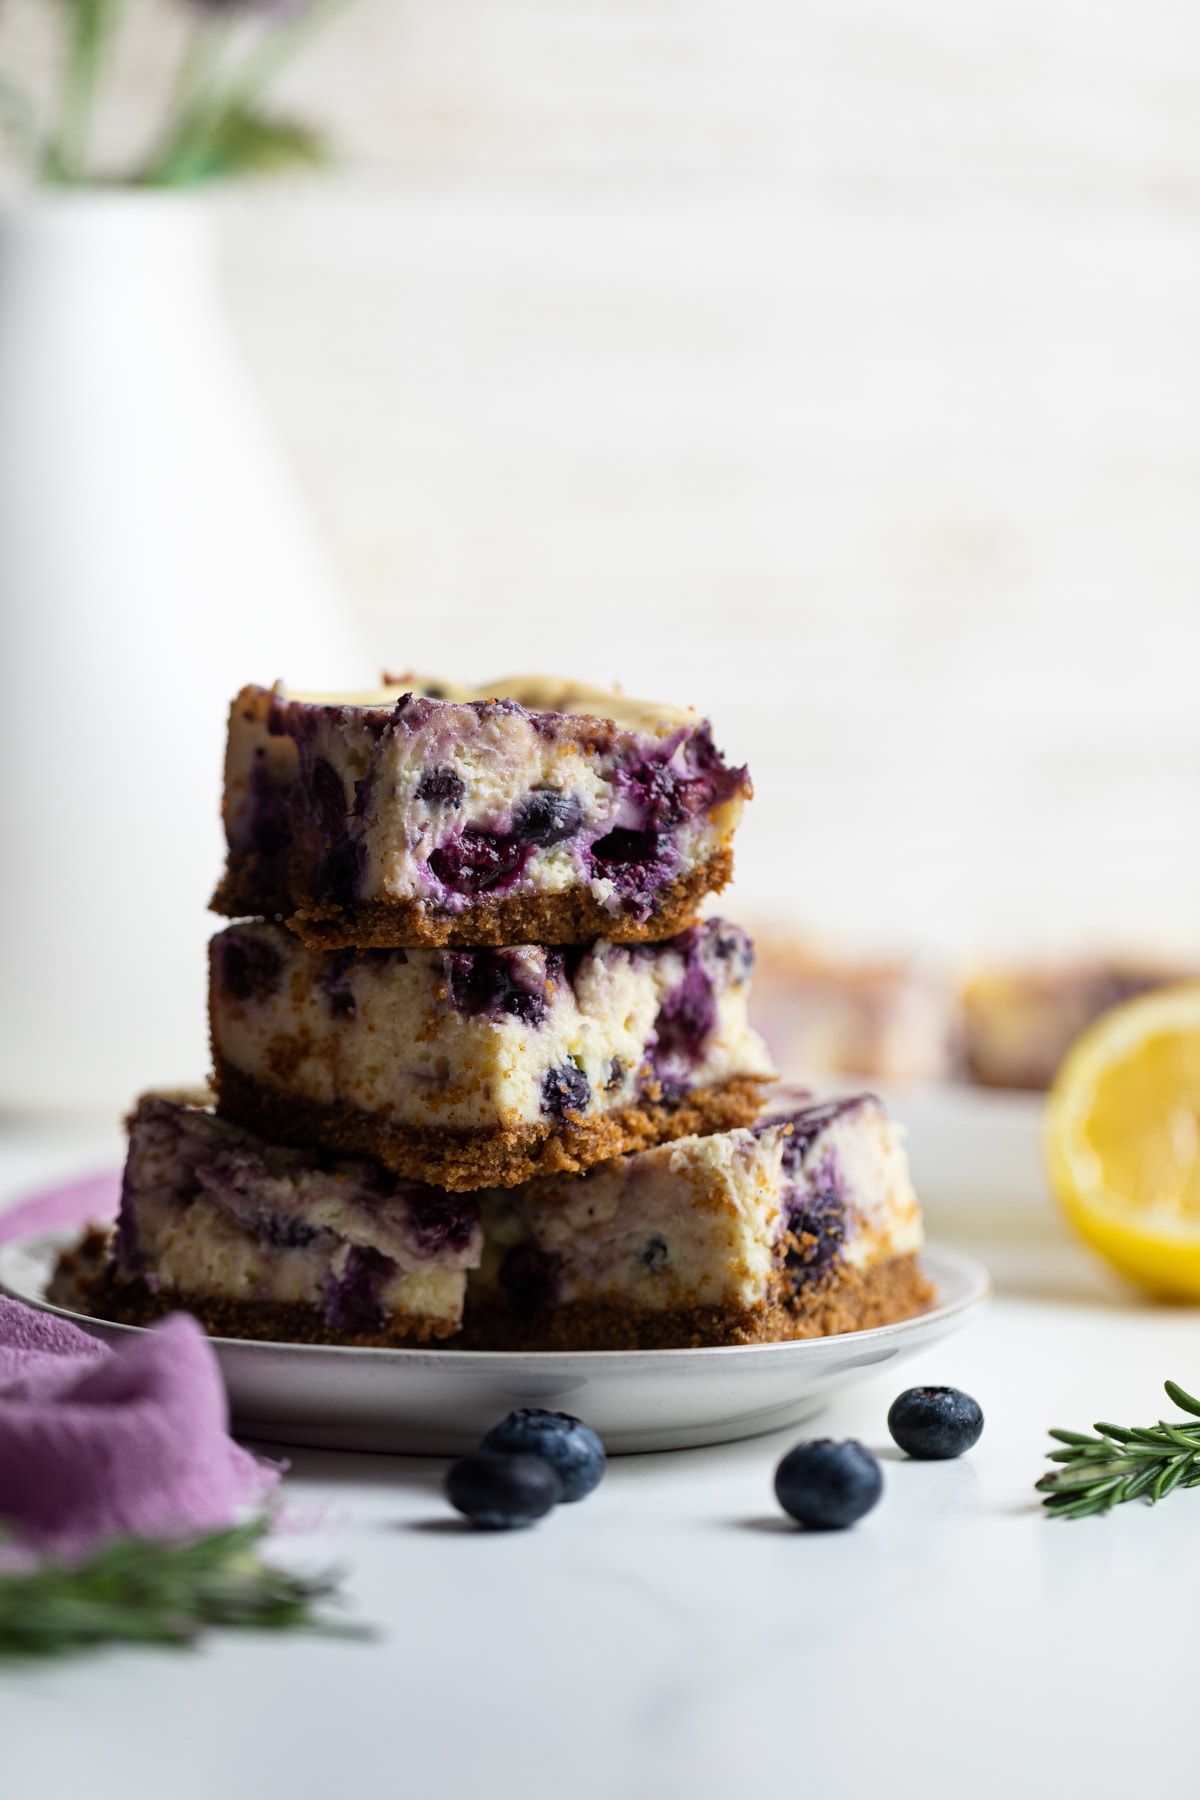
[481, 1074]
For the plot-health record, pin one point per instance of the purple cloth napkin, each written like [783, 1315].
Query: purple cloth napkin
[94, 1197]
[96, 1443]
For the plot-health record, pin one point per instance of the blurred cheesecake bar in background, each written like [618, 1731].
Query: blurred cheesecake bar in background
[1019, 1022]
[891, 1019]
[472, 1068]
[914, 1020]
[529, 810]
[802, 1225]
[258, 1240]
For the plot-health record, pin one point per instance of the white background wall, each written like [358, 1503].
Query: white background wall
[833, 366]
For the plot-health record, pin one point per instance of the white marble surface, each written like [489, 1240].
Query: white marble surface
[673, 1636]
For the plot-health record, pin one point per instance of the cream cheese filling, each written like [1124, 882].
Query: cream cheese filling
[401, 1049]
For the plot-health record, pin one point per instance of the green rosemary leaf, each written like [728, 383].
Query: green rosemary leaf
[1137, 1484]
[1169, 1479]
[1185, 1401]
[1186, 1437]
[145, 1591]
[1088, 1474]
[1123, 1463]
[1152, 1437]
[1098, 1499]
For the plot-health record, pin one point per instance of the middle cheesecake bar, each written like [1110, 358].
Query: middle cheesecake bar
[485, 1067]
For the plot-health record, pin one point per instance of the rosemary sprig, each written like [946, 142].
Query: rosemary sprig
[1122, 1464]
[143, 1591]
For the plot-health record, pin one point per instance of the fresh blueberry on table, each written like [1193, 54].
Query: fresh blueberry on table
[826, 1485]
[570, 1447]
[502, 1493]
[934, 1423]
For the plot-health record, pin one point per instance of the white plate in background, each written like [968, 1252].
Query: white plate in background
[974, 1152]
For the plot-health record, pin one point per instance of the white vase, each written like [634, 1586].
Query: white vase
[153, 557]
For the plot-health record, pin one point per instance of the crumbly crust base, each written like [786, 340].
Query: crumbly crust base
[464, 1160]
[847, 1299]
[570, 917]
[85, 1281]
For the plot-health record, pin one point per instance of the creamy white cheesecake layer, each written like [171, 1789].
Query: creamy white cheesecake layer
[209, 1211]
[484, 1039]
[435, 793]
[852, 1150]
[732, 1221]
[201, 1254]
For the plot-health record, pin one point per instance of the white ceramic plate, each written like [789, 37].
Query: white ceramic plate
[440, 1402]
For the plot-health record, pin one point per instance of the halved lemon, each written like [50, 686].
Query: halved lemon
[1122, 1139]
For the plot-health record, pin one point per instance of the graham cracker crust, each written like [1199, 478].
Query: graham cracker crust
[464, 1160]
[847, 1299]
[84, 1280]
[572, 917]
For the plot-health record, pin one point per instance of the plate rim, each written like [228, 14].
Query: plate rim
[978, 1290]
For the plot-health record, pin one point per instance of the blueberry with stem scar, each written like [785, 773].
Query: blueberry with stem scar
[935, 1423]
[571, 1448]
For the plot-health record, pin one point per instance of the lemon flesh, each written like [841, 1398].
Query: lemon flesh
[1123, 1139]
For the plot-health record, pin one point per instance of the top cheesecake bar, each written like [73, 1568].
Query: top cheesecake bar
[530, 810]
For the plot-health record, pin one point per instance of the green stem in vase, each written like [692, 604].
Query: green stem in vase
[192, 99]
[216, 125]
[93, 22]
[18, 118]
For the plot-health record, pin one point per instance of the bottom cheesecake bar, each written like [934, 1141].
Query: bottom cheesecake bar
[258, 1240]
[801, 1225]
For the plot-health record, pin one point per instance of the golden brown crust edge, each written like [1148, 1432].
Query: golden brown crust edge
[572, 917]
[464, 1160]
[85, 1281]
[846, 1300]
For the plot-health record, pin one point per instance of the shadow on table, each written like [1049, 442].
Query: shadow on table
[437, 1527]
[423, 1474]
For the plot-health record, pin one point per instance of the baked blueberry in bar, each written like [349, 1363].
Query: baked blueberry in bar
[799, 1226]
[263, 1241]
[484, 1067]
[525, 811]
